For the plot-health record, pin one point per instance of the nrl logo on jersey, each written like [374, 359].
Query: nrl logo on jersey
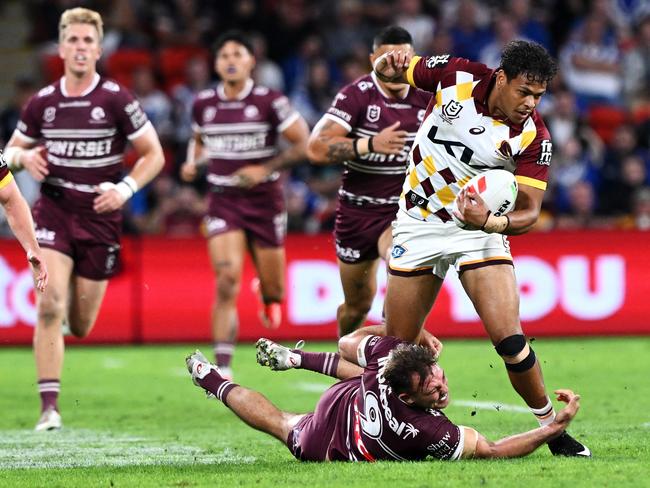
[49, 114]
[451, 111]
[373, 113]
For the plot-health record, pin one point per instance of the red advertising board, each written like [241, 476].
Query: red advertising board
[571, 283]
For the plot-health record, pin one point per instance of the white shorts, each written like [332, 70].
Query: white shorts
[421, 247]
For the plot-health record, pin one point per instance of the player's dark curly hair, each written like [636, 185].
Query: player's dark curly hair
[392, 34]
[236, 36]
[530, 59]
[405, 360]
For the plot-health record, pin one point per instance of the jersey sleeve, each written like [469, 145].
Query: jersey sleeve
[445, 440]
[29, 124]
[371, 348]
[427, 72]
[5, 175]
[534, 160]
[344, 109]
[130, 117]
[282, 112]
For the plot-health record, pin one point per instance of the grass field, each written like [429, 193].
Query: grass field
[133, 418]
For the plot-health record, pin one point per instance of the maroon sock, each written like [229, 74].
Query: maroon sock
[217, 385]
[321, 362]
[223, 353]
[49, 391]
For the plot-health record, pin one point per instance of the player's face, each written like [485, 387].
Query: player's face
[434, 391]
[234, 62]
[518, 97]
[80, 49]
[384, 48]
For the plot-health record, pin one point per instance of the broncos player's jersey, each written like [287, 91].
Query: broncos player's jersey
[458, 138]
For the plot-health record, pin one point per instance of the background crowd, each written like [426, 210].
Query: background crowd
[597, 109]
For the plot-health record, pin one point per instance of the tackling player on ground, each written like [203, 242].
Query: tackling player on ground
[236, 128]
[479, 119]
[369, 128]
[388, 406]
[83, 122]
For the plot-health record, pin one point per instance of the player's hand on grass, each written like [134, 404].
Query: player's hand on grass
[34, 162]
[567, 414]
[251, 175]
[39, 269]
[390, 140]
[471, 209]
[428, 340]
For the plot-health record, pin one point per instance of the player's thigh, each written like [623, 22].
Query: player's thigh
[493, 291]
[385, 243]
[359, 281]
[53, 301]
[227, 252]
[270, 264]
[408, 302]
[85, 302]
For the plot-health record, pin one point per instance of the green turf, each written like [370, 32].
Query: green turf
[133, 418]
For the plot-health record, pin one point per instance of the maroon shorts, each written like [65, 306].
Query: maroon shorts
[260, 214]
[357, 230]
[92, 241]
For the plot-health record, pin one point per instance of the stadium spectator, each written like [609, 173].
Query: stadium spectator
[412, 18]
[505, 30]
[580, 210]
[529, 21]
[369, 128]
[154, 102]
[640, 217]
[636, 66]
[78, 218]
[267, 72]
[617, 196]
[383, 379]
[312, 98]
[236, 129]
[469, 29]
[474, 106]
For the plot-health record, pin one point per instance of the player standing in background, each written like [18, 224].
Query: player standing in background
[20, 221]
[480, 119]
[370, 128]
[84, 121]
[236, 129]
[388, 407]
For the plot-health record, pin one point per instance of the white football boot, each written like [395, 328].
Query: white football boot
[277, 357]
[50, 420]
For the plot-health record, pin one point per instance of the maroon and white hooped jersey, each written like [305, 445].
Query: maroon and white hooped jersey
[364, 109]
[239, 132]
[84, 136]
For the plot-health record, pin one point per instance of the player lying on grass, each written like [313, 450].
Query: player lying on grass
[388, 405]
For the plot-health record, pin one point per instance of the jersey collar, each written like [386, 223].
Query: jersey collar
[248, 86]
[90, 88]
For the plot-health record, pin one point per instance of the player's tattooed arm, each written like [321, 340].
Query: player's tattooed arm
[329, 144]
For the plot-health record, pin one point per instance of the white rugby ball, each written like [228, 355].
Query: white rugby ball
[498, 189]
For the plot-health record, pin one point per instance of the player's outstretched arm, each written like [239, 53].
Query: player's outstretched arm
[20, 221]
[21, 154]
[523, 444]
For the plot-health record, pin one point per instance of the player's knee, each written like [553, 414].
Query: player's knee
[227, 286]
[50, 311]
[80, 328]
[516, 353]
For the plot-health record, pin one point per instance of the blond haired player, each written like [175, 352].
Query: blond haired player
[71, 137]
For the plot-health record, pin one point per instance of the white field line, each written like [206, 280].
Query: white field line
[646, 425]
[113, 363]
[312, 387]
[84, 448]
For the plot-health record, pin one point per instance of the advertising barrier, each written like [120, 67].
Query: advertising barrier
[571, 284]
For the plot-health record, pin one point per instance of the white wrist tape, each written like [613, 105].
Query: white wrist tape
[12, 157]
[127, 187]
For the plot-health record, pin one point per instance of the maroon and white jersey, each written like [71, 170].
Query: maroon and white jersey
[84, 136]
[239, 132]
[459, 139]
[364, 109]
[372, 423]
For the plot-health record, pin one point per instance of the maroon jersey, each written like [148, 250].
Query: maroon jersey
[84, 136]
[364, 421]
[239, 132]
[364, 109]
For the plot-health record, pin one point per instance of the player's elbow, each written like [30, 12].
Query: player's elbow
[316, 151]
[348, 347]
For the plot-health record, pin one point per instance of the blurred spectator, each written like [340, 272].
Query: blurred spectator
[442, 43]
[617, 196]
[528, 25]
[505, 30]
[295, 66]
[353, 68]
[591, 63]
[421, 25]
[349, 32]
[313, 99]
[640, 216]
[624, 143]
[154, 102]
[469, 32]
[581, 212]
[267, 72]
[636, 66]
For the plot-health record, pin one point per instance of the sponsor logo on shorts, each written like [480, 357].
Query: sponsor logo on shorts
[398, 251]
[111, 258]
[45, 235]
[347, 252]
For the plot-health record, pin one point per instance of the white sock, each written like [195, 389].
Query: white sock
[544, 415]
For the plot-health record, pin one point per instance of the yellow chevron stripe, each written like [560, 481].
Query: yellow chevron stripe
[429, 165]
[526, 180]
[6, 180]
[464, 91]
[411, 68]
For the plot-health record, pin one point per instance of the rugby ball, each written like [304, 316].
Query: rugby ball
[498, 189]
